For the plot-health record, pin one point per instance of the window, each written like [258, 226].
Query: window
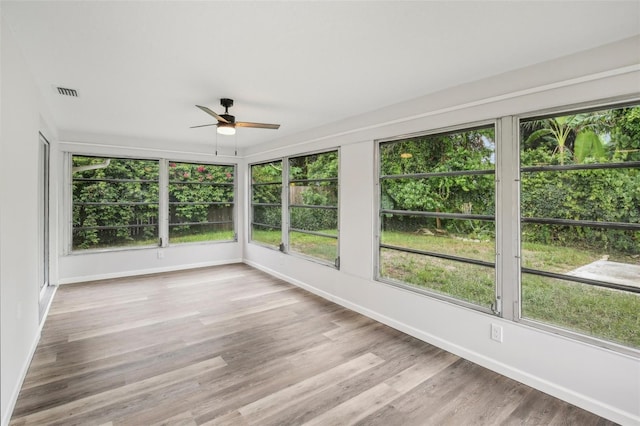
[437, 204]
[313, 205]
[201, 202]
[266, 203]
[115, 202]
[580, 223]
[310, 206]
[43, 196]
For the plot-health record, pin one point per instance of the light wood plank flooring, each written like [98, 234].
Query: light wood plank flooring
[231, 345]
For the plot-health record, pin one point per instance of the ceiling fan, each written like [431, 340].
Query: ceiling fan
[227, 123]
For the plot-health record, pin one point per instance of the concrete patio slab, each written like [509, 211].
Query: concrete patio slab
[614, 272]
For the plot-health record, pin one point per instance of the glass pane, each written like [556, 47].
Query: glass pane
[268, 193]
[314, 183]
[471, 194]
[472, 239]
[266, 235]
[200, 222]
[115, 202]
[608, 195]
[599, 312]
[581, 251]
[201, 173]
[314, 219]
[268, 215]
[579, 167]
[43, 273]
[472, 283]
[597, 137]
[466, 152]
[314, 166]
[472, 149]
[201, 232]
[268, 172]
[314, 193]
[201, 200]
[324, 248]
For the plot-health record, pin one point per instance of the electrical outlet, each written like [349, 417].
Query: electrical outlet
[496, 332]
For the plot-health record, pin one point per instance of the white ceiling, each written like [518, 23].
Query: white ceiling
[140, 67]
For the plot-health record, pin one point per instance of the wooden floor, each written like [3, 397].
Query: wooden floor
[231, 345]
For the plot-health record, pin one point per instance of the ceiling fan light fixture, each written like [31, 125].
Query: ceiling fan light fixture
[226, 129]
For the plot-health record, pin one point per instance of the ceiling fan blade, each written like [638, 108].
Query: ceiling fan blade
[213, 114]
[204, 125]
[257, 125]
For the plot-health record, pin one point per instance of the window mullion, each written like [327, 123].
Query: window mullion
[507, 218]
[67, 194]
[163, 205]
[285, 206]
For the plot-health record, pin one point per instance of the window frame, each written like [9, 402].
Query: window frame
[234, 203]
[251, 204]
[289, 230]
[495, 309]
[163, 202]
[285, 206]
[585, 107]
[71, 204]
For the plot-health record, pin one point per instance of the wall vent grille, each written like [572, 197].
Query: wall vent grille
[68, 92]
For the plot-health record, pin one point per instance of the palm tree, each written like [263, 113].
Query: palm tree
[558, 129]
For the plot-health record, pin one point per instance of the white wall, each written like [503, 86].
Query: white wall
[597, 379]
[79, 266]
[19, 219]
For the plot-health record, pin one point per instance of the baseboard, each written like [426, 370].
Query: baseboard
[148, 271]
[23, 374]
[572, 397]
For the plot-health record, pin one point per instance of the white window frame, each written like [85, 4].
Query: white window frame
[496, 308]
[515, 298]
[163, 202]
[285, 202]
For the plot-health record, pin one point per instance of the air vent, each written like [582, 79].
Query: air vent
[67, 92]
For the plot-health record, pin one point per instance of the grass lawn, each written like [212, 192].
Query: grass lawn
[173, 239]
[202, 237]
[267, 237]
[309, 245]
[599, 312]
[312, 245]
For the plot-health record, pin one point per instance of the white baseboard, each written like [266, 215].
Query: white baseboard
[568, 395]
[23, 373]
[148, 271]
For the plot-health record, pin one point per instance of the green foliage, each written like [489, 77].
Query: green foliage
[588, 145]
[114, 205]
[560, 131]
[470, 150]
[313, 182]
[608, 195]
[200, 194]
[625, 133]
[266, 188]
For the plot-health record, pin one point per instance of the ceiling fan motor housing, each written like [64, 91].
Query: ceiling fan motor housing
[228, 117]
[226, 102]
